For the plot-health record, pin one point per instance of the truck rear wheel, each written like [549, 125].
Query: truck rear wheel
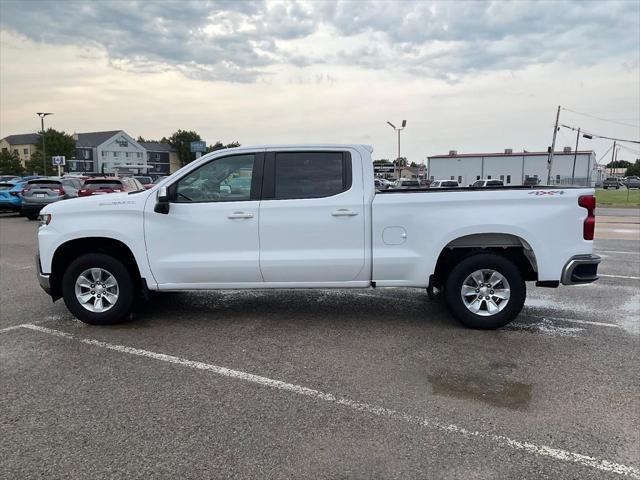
[485, 291]
[98, 289]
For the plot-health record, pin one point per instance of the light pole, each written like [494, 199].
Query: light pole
[553, 146]
[44, 153]
[404, 124]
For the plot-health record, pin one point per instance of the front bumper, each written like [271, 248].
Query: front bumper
[43, 279]
[580, 269]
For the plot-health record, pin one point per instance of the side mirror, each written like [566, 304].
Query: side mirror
[162, 201]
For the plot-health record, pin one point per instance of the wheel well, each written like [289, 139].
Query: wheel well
[69, 251]
[510, 246]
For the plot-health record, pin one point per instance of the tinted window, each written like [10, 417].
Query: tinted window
[100, 184]
[495, 183]
[44, 184]
[226, 179]
[6, 186]
[449, 184]
[478, 183]
[311, 174]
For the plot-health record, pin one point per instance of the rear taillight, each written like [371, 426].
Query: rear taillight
[24, 190]
[589, 227]
[116, 190]
[60, 190]
[15, 194]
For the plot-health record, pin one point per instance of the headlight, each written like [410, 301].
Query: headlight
[45, 219]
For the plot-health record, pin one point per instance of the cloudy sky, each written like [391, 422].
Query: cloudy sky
[472, 76]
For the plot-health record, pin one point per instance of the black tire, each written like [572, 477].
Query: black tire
[605, 188]
[466, 267]
[32, 216]
[121, 308]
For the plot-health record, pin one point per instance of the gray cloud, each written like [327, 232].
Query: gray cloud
[237, 40]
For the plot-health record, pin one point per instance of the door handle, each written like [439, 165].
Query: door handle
[240, 215]
[344, 212]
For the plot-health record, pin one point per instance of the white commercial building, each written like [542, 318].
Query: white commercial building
[112, 152]
[514, 167]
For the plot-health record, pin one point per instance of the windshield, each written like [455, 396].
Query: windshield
[144, 180]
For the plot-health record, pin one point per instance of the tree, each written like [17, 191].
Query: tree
[400, 162]
[382, 161]
[414, 165]
[634, 169]
[181, 141]
[57, 143]
[10, 163]
[618, 164]
[220, 146]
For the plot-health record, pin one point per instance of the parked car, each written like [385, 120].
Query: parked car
[104, 185]
[10, 195]
[531, 181]
[407, 184]
[147, 182]
[611, 182]
[380, 185]
[159, 179]
[9, 178]
[444, 184]
[632, 182]
[313, 219]
[484, 183]
[45, 190]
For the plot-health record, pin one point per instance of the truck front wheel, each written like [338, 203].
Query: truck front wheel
[98, 289]
[485, 291]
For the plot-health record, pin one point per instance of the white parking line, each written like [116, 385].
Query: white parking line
[530, 448]
[618, 276]
[13, 327]
[584, 322]
[617, 251]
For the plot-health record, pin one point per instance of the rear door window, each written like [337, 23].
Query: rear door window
[102, 184]
[44, 184]
[308, 174]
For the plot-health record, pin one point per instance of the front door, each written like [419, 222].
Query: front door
[312, 219]
[210, 235]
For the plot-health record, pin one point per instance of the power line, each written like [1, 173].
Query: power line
[600, 136]
[604, 154]
[600, 118]
[637, 152]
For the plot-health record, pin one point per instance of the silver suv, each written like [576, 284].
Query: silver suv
[42, 191]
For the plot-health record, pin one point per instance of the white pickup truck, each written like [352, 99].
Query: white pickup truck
[308, 216]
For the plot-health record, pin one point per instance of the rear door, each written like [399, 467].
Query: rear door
[312, 217]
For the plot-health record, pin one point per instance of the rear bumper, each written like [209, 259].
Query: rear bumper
[580, 269]
[43, 280]
[10, 205]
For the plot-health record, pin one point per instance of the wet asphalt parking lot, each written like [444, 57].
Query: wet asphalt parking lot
[323, 384]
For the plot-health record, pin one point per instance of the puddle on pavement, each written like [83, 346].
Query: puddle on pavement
[493, 391]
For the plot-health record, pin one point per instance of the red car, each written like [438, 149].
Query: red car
[103, 185]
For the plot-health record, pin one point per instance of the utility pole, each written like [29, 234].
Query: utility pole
[575, 157]
[553, 147]
[44, 153]
[613, 156]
